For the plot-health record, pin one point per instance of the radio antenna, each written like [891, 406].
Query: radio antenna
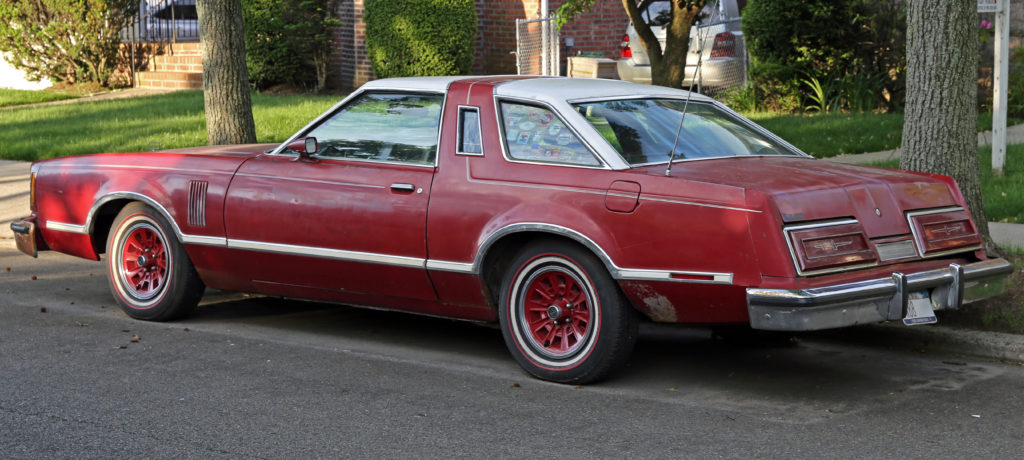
[700, 60]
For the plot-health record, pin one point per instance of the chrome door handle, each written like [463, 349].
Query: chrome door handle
[407, 188]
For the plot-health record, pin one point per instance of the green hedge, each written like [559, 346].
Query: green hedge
[420, 37]
[819, 35]
[288, 41]
[826, 54]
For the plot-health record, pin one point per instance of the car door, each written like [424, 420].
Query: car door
[349, 220]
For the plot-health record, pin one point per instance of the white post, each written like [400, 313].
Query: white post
[545, 57]
[1001, 71]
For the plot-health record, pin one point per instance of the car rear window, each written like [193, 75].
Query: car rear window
[644, 130]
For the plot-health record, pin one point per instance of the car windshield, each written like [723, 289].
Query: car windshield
[643, 131]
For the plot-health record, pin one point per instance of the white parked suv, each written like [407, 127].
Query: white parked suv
[725, 53]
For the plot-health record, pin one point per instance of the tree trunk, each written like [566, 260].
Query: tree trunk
[668, 65]
[225, 78]
[940, 124]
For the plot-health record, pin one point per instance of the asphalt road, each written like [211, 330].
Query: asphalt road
[271, 378]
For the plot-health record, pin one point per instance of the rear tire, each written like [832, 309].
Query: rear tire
[563, 317]
[149, 271]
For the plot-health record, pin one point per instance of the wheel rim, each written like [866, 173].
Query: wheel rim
[555, 309]
[143, 262]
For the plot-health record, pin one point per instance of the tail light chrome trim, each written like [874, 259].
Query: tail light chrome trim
[917, 229]
[800, 263]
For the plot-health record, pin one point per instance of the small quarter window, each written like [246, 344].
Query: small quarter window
[537, 134]
[469, 131]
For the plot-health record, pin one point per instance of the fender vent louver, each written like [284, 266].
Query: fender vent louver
[197, 203]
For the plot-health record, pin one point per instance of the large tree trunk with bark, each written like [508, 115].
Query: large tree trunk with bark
[940, 124]
[668, 65]
[225, 78]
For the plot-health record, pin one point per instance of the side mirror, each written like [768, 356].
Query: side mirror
[305, 146]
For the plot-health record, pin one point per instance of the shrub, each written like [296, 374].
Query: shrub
[1015, 85]
[807, 35]
[66, 40]
[420, 37]
[835, 54]
[288, 41]
[776, 87]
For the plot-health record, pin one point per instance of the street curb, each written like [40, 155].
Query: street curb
[932, 338]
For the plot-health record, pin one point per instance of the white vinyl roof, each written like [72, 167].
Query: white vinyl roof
[414, 83]
[551, 90]
[545, 89]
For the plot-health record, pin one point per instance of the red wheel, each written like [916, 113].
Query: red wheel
[150, 274]
[143, 261]
[556, 310]
[563, 317]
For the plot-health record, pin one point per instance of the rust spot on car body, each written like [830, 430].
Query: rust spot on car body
[654, 305]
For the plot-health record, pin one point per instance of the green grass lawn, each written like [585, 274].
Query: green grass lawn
[831, 134]
[12, 97]
[1004, 195]
[164, 121]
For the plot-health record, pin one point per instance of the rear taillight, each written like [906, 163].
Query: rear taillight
[942, 231]
[725, 45]
[829, 246]
[32, 192]
[626, 52]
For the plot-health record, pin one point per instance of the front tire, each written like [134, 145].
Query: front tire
[149, 271]
[563, 316]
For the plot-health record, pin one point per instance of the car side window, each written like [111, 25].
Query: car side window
[469, 132]
[388, 127]
[536, 134]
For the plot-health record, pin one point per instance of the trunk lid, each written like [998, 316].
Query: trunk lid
[805, 189]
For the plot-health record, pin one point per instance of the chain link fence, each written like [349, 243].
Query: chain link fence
[537, 46]
[720, 50]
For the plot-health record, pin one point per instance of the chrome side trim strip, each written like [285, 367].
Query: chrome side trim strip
[158, 168]
[666, 275]
[314, 181]
[449, 266]
[204, 240]
[63, 227]
[337, 254]
[691, 203]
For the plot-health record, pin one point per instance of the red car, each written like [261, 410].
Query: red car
[545, 204]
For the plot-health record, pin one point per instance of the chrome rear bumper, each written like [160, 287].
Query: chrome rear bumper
[875, 300]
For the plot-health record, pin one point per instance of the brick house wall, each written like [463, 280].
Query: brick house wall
[600, 30]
